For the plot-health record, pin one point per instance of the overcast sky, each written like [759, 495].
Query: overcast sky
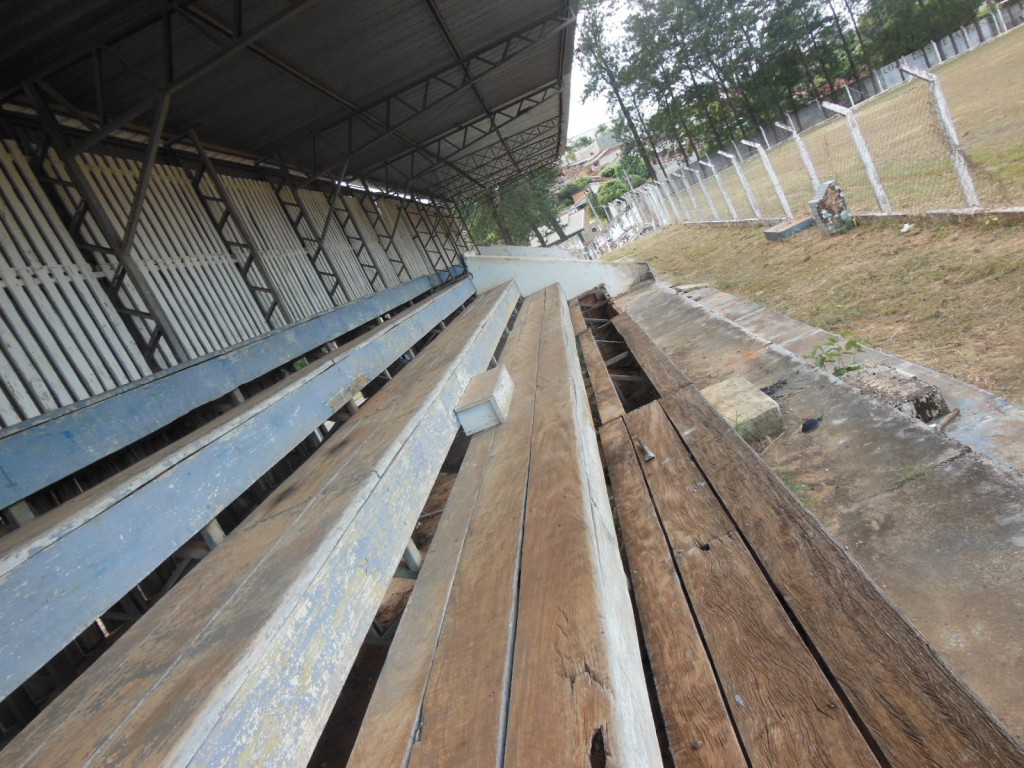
[584, 118]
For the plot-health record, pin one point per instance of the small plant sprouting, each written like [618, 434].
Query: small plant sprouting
[839, 347]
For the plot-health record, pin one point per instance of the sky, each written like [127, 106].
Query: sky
[584, 118]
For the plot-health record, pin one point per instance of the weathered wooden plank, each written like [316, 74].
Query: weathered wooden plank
[273, 617]
[393, 717]
[465, 703]
[916, 708]
[785, 710]
[579, 325]
[577, 692]
[697, 722]
[126, 527]
[41, 451]
[609, 406]
[685, 503]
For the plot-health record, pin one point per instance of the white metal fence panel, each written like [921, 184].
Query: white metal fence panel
[192, 273]
[60, 338]
[289, 267]
[336, 246]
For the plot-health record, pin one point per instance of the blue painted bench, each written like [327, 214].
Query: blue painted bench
[50, 447]
[62, 570]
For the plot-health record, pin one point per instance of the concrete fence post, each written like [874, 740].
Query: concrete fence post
[812, 172]
[746, 184]
[721, 188]
[679, 198]
[865, 155]
[689, 193]
[667, 195]
[767, 163]
[659, 202]
[707, 198]
[956, 152]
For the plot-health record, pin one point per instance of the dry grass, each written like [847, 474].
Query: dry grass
[946, 295]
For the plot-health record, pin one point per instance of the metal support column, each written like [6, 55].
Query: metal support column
[343, 216]
[425, 233]
[311, 236]
[248, 258]
[446, 230]
[386, 236]
[148, 324]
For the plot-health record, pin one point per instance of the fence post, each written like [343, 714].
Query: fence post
[804, 154]
[771, 176]
[659, 200]
[668, 196]
[689, 193]
[707, 198]
[1000, 21]
[865, 155]
[963, 172]
[721, 188]
[679, 199]
[746, 184]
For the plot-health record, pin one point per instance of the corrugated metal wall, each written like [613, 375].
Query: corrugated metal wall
[176, 245]
[61, 340]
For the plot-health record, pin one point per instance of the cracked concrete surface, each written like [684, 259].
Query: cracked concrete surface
[937, 525]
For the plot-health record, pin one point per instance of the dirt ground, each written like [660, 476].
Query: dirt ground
[947, 294]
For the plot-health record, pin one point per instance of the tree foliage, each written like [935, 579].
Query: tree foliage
[516, 212]
[565, 194]
[611, 190]
[697, 74]
[894, 28]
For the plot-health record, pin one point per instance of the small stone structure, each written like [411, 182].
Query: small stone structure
[830, 210]
[902, 391]
[749, 410]
[788, 228]
[486, 401]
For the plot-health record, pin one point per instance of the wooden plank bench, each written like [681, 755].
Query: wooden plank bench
[241, 662]
[765, 638]
[60, 571]
[518, 646]
[48, 448]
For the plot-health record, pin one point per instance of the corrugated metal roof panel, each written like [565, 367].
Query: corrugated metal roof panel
[370, 81]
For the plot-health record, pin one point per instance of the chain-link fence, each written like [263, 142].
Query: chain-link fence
[943, 141]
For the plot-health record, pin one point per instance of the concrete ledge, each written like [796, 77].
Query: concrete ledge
[535, 273]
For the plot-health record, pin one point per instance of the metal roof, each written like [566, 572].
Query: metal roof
[441, 98]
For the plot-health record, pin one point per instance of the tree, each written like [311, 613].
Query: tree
[516, 212]
[602, 62]
[565, 194]
[894, 28]
[611, 190]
